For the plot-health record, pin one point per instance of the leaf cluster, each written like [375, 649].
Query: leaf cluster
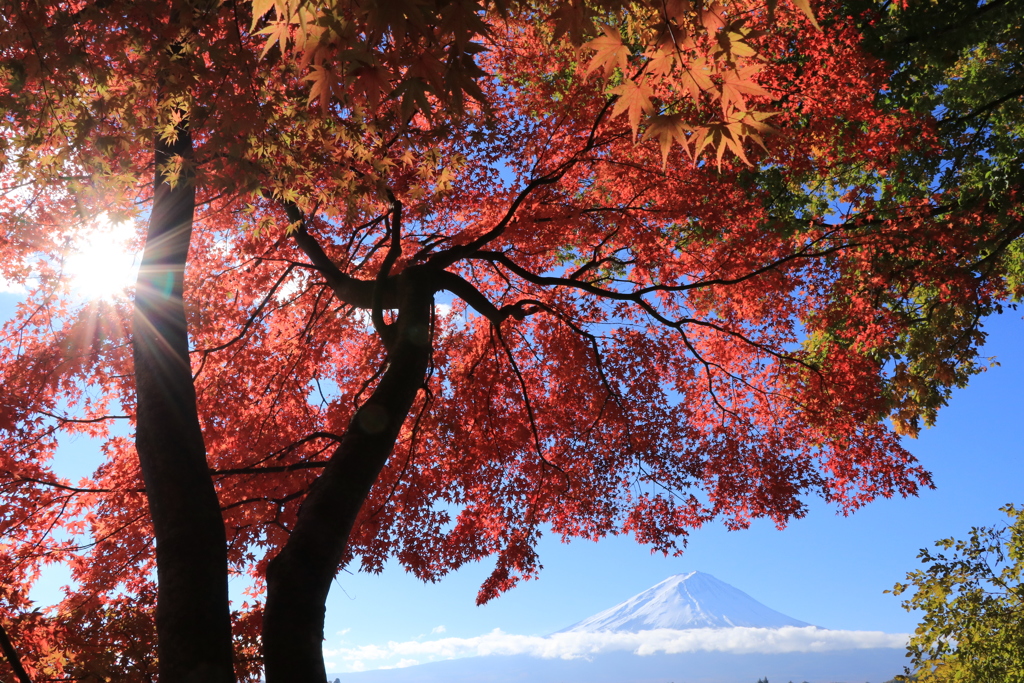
[972, 596]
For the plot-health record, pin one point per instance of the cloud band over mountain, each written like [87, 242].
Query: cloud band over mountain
[571, 645]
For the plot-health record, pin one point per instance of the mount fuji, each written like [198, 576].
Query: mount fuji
[690, 628]
[684, 601]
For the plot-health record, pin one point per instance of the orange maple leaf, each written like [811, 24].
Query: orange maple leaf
[668, 128]
[662, 59]
[713, 17]
[611, 52]
[739, 82]
[634, 98]
[679, 10]
[325, 85]
[696, 78]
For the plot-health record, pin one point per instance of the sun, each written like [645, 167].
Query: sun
[102, 263]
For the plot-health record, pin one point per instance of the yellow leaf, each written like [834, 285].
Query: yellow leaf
[324, 86]
[731, 44]
[259, 8]
[277, 34]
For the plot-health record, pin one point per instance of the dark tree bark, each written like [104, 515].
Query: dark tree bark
[192, 615]
[299, 577]
[11, 654]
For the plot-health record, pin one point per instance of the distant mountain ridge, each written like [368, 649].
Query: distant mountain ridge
[685, 601]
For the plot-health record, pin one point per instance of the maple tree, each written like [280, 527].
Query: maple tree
[457, 274]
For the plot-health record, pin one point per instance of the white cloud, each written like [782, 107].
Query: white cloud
[438, 629]
[11, 287]
[668, 641]
[402, 663]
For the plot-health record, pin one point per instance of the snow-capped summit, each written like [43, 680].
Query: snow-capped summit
[694, 600]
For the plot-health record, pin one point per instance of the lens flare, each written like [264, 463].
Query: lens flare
[102, 263]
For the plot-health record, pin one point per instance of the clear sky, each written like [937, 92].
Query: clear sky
[826, 569]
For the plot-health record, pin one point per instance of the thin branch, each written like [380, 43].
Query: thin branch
[379, 282]
[252, 318]
[72, 489]
[526, 402]
[457, 253]
[271, 468]
[74, 420]
[984, 108]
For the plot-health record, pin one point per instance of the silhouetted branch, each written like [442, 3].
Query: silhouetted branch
[12, 657]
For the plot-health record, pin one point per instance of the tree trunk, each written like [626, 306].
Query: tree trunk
[192, 615]
[13, 659]
[299, 577]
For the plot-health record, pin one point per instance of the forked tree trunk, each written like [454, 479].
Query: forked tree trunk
[299, 577]
[192, 614]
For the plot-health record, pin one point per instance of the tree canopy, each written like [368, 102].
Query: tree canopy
[957, 63]
[972, 601]
[453, 275]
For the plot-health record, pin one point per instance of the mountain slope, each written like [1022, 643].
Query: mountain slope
[685, 601]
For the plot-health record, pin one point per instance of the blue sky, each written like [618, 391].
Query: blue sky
[826, 569]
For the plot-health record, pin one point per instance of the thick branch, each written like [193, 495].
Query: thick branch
[12, 657]
[350, 290]
[299, 577]
[476, 299]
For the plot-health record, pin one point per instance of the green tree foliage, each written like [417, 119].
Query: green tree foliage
[973, 602]
[957, 63]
